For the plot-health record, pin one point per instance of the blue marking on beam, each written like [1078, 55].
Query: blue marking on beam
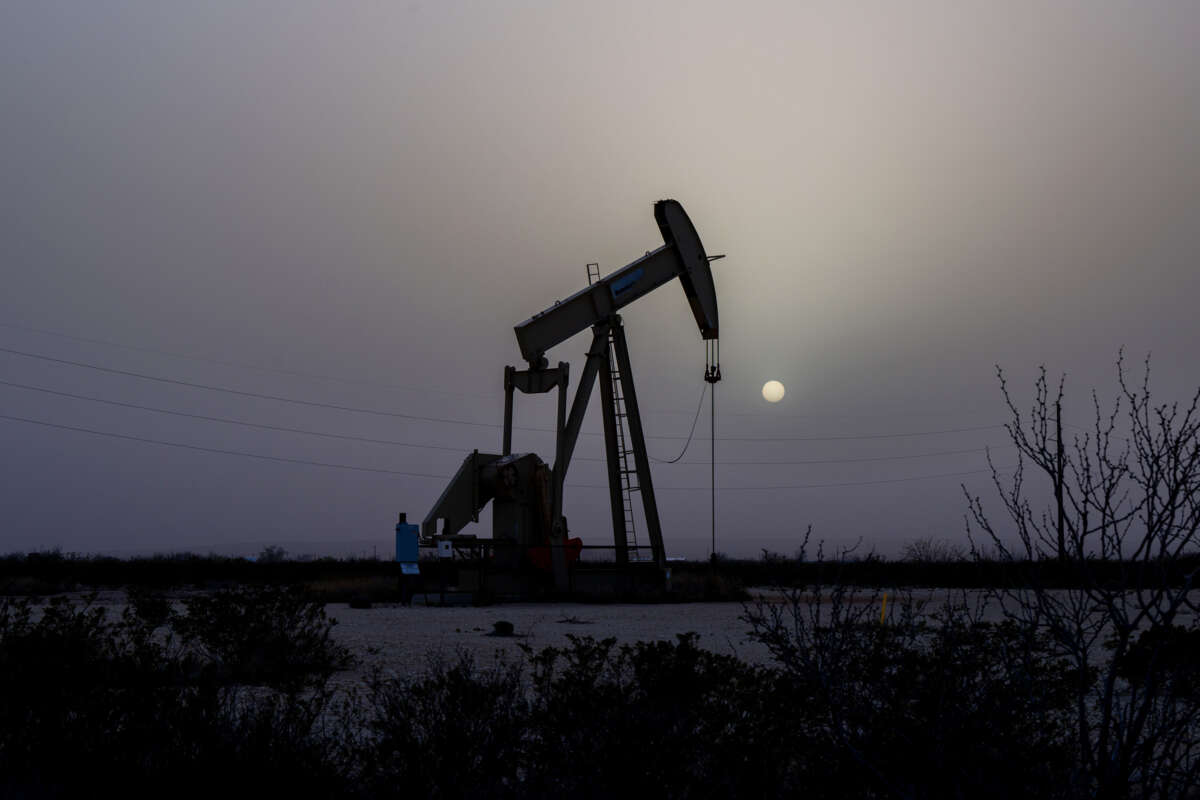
[623, 285]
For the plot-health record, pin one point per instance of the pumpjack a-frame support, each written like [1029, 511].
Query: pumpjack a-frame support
[608, 346]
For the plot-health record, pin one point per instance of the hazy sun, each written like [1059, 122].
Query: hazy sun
[773, 391]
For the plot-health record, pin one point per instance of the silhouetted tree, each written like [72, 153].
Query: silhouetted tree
[933, 551]
[913, 701]
[272, 554]
[1124, 530]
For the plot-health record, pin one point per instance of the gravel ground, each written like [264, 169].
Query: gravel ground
[401, 640]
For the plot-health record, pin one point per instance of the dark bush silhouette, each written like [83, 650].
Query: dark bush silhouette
[951, 708]
[263, 635]
[1168, 657]
[1123, 526]
[457, 731]
[87, 699]
[161, 700]
[587, 720]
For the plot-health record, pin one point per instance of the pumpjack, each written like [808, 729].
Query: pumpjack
[529, 530]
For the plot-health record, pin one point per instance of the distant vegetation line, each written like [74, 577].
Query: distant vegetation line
[55, 572]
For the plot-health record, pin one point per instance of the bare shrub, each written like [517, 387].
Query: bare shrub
[266, 635]
[272, 554]
[1106, 573]
[908, 701]
[933, 551]
[127, 706]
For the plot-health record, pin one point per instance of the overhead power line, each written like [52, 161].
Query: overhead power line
[821, 485]
[307, 462]
[364, 382]
[242, 364]
[452, 421]
[851, 460]
[228, 421]
[241, 453]
[242, 393]
[850, 438]
[398, 443]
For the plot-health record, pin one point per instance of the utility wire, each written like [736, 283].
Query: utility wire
[240, 364]
[397, 443]
[307, 462]
[351, 381]
[241, 453]
[801, 485]
[241, 393]
[856, 437]
[357, 382]
[848, 460]
[400, 415]
[695, 419]
[229, 421]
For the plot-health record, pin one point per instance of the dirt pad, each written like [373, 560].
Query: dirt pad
[401, 640]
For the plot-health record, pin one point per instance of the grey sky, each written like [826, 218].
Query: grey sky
[908, 194]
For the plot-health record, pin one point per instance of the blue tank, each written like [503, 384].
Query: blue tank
[406, 541]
